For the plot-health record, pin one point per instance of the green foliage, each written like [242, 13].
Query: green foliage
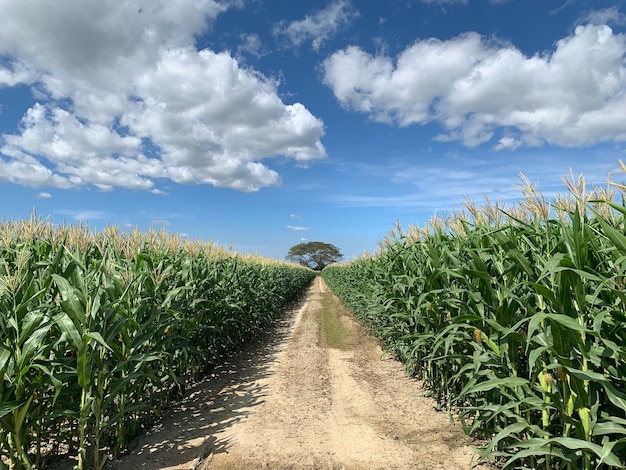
[517, 328]
[314, 255]
[97, 334]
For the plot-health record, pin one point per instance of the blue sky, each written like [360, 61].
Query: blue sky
[261, 124]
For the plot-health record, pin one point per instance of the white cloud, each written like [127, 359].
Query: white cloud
[574, 95]
[85, 215]
[295, 216]
[319, 26]
[297, 229]
[14, 72]
[605, 16]
[160, 223]
[443, 185]
[507, 143]
[251, 44]
[43, 195]
[128, 100]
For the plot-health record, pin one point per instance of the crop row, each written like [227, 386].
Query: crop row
[100, 332]
[516, 323]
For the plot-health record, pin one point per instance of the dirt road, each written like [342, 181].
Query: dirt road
[315, 393]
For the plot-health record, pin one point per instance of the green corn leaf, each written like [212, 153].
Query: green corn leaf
[21, 414]
[617, 398]
[608, 457]
[619, 240]
[587, 375]
[69, 331]
[31, 321]
[579, 444]
[617, 207]
[507, 432]
[569, 323]
[510, 382]
[97, 337]
[9, 407]
[5, 357]
[546, 292]
[56, 383]
[608, 427]
[580, 273]
[33, 345]
[71, 304]
[536, 448]
[523, 262]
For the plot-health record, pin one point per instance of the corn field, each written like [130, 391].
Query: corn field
[99, 332]
[514, 318]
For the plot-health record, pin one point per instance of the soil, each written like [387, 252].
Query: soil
[314, 392]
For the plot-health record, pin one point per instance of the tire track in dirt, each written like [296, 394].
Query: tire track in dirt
[347, 408]
[290, 401]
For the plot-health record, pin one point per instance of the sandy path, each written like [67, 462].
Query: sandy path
[292, 402]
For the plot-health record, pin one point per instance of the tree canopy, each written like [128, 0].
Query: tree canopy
[314, 255]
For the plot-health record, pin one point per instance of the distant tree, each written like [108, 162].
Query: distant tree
[314, 255]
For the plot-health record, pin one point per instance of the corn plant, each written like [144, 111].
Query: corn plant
[514, 319]
[100, 331]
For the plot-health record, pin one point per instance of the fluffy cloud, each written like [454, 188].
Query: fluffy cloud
[319, 26]
[125, 99]
[572, 96]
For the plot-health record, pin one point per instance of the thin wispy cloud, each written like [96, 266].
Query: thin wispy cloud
[297, 228]
[445, 2]
[317, 27]
[445, 187]
[160, 223]
[85, 215]
[44, 195]
[461, 2]
[610, 15]
[252, 45]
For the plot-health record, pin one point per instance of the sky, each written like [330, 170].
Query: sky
[260, 124]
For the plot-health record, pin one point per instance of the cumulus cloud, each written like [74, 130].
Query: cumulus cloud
[476, 87]
[126, 100]
[44, 195]
[297, 229]
[318, 27]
